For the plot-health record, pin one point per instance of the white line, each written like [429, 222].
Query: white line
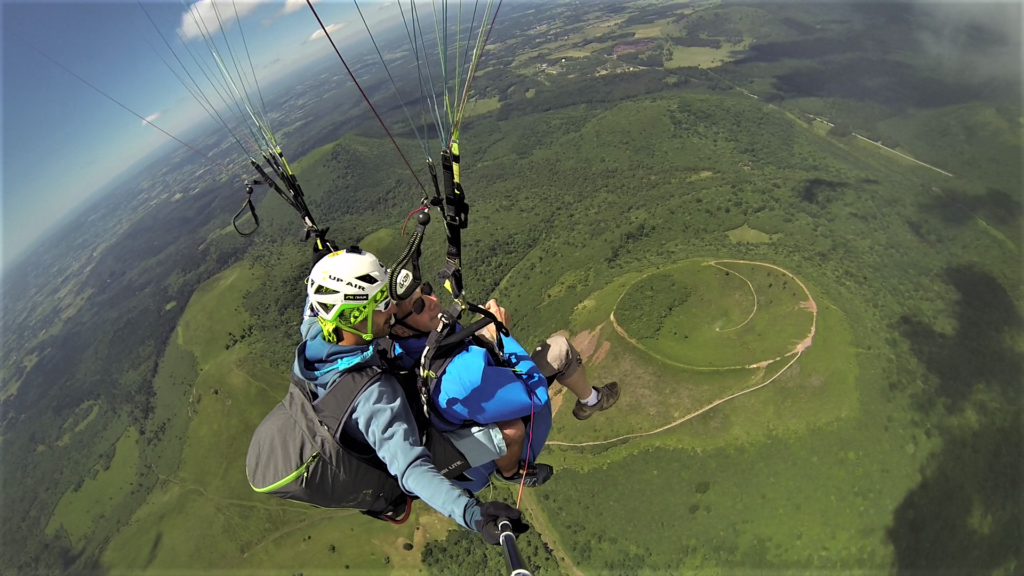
[904, 155]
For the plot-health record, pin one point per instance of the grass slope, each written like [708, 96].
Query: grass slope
[79, 510]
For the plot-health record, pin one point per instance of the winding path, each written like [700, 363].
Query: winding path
[795, 353]
[752, 292]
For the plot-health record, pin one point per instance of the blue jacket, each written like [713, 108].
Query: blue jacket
[474, 389]
[383, 419]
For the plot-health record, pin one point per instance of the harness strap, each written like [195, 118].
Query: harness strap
[456, 219]
[487, 319]
[424, 377]
[404, 517]
[445, 344]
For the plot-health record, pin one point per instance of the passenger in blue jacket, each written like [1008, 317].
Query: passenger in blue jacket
[485, 405]
[347, 309]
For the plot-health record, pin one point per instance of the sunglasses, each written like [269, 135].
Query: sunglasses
[419, 304]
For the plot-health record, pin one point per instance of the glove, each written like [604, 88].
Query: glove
[491, 513]
[320, 247]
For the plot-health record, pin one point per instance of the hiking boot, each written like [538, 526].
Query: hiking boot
[607, 396]
[536, 474]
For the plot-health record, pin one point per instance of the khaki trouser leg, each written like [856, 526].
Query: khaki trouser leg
[556, 358]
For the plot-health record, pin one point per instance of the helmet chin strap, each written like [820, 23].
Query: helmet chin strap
[367, 337]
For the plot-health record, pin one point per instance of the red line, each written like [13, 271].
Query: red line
[410, 216]
[529, 448]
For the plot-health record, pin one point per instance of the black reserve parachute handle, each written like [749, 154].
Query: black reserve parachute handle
[411, 256]
[252, 210]
[513, 561]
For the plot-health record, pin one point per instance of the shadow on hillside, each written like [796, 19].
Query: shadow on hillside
[966, 514]
[994, 206]
[820, 190]
[891, 83]
[978, 352]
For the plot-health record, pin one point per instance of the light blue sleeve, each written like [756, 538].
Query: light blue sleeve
[384, 418]
[309, 321]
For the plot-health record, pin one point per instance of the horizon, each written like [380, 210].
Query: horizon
[58, 119]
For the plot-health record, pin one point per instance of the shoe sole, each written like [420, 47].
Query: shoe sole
[498, 478]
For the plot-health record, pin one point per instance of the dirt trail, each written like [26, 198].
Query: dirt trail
[684, 418]
[803, 345]
[752, 291]
[809, 304]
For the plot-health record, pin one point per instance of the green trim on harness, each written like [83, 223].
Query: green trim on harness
[291, 477]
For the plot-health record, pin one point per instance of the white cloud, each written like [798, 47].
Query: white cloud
[151, 118]
[201, 16]
[294, 6]
[385, 5]
[330, 28]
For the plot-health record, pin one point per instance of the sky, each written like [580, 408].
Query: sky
[62, 140]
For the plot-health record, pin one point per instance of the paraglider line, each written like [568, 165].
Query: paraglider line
[370, 104]
[412, 124]
[472, 71]
[111, 98]
[211, 111]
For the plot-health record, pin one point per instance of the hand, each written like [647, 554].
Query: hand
[490, 333]
[491, 513]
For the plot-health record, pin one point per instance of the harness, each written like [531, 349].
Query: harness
[439, 361]
[444, 343]
[336, 470]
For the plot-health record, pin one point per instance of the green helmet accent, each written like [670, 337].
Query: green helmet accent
[350, 315]
[345, 288]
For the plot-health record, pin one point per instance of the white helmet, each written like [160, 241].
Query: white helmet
[345, 287]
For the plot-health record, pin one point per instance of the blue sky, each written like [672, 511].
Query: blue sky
[62, 140]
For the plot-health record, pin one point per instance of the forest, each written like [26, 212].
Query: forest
[650, 301]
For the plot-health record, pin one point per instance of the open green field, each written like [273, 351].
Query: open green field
[747, 234]
[213, 314]
[90, 409]
[10, 384]
[817, 383]
[736, 315]
[80, 509]
[483, 106]
[702, 57]
[810, 463]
